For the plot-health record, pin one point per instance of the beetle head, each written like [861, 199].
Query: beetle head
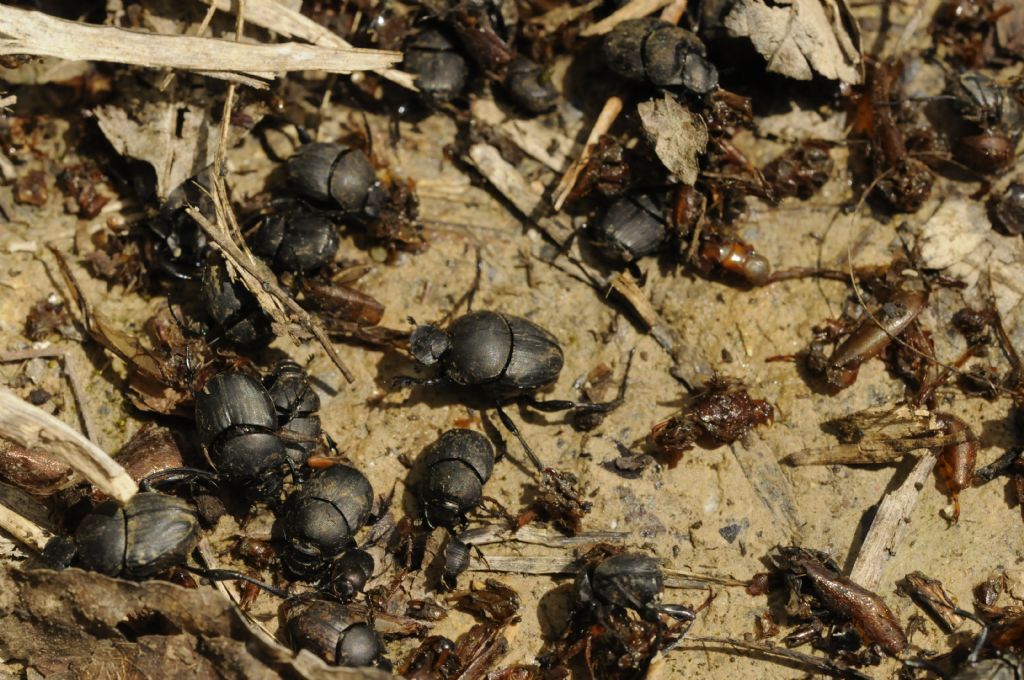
[428, 344]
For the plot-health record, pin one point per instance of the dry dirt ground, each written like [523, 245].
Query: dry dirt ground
[682, 514]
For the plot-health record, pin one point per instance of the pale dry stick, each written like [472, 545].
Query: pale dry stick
[262, 283]
[8, 101]
[32, 427]
[276, 17]
[609, 112]
[542, 142]
[561, 14]
[889, 524]
[674, 12]
[537, 536]
[634, 9]
[38, 34]
[23, 530]
[200, 30]
[69, 372]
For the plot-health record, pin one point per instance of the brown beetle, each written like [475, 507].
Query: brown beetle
[957, 461]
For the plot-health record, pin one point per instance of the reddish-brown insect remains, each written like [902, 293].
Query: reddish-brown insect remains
[867, 612]
[720, 413]
[735, 257]
[867, 340]
[957, 461]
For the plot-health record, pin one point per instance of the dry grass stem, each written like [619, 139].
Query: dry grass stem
[32, 427]
[38, 34]
[890, 522]
[632, 10]
[284, 21]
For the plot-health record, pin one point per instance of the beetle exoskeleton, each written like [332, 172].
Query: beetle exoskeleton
[456, 467]
[501, 355]
[350, 573]
[631, 228]
[529, 86]
[298, 241]
[237, 422]
[151, 533]
[627, 580]
[441, 71]
[321, 517]
[296, 404]
[659, 52]
[1008, 209]
[338, 174]
[233, 308]
[333, 632]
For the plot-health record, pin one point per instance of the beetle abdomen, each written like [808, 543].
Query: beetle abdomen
[536, 357]
[480, 346]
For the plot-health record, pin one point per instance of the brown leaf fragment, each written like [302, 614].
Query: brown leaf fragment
[679, 137]
[801, 38]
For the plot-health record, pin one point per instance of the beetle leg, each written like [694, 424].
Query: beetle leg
[176, 476]
[403, 381]
[511, 427]
[229, 575]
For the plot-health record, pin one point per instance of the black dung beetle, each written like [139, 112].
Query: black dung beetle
[456, 467]
[441, 71]
[631, 228]
[321, 517]
[333, 632]
[500, 355]
[498, 358]
[456, 561]
[237, 426]
[296, 404]
[233, 308]
[529, 86]
[629, 581]
[349, 574]
[298, 241]
[336, 174]
[659, 52]
[151, 533]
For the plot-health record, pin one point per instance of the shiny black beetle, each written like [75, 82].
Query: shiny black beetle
[233, 308]
[349, 574]
[661, 53]
[296, 405]
[628, 581]
[297, 241]
[441, 71]
[150, 534]
[1008, 209]
[456, 468]
[498, 358]
[529, 87]
[237, 425]
[322, 516]
[333, 632]
[337, 175]
[631, 228]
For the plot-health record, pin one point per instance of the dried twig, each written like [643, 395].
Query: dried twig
[609, 112]
[31, 427]
[514, 187]
[631, 10]
[890, 521]
[872, 451]
[23, 530]
[539, 536]
[544, 143]
[282, 20]
[69, 372]
[38, 34]
[674, 12]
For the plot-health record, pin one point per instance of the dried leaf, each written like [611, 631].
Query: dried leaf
[959, 240]
[799, 38]
[177, 139]
[679, 137]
